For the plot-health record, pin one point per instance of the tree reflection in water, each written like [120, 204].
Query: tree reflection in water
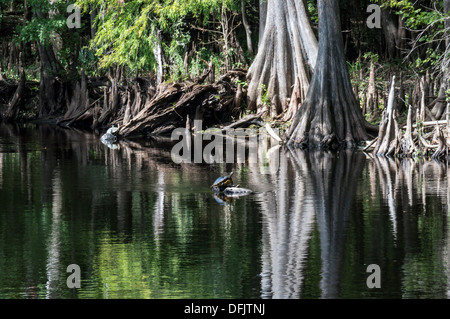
[310, 187]
[376, 210]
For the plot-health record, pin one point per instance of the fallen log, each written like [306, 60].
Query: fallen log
[244, 121]
[179, 104]
[157, 111]
[429, 123]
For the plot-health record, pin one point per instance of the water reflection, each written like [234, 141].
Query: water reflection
[311, 190]
[141, 226]
[353, 212]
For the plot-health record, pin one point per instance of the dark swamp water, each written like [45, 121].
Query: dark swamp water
[140, 226]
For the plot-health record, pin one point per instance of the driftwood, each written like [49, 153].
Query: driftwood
[179, 104]
[160, 111]
[430, 123]
[245, 121]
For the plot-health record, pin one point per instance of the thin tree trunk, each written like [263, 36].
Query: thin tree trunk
[391, 32]
[225, 31]
[160, 60]
[372, 96]
[248, 31]
[262, 19]
[92, 16]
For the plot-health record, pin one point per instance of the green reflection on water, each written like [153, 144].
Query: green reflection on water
[141, 227]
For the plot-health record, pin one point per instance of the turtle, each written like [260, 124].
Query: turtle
[222, 183]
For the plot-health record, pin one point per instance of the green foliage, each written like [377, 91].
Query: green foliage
[241, 83]
[127, 33]
[266, 99]
[428, 19]
[48, 26]
[43, 25]
[374, 57]
[416, 14]
[313, 11]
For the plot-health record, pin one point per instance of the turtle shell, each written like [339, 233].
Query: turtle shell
[222, 182]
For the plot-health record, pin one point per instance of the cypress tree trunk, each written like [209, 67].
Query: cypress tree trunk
[285, 59]
[330, 116]
[50, 87]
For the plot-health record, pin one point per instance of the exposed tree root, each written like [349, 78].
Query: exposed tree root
[392, 141]
[389, 135]
[407, 146]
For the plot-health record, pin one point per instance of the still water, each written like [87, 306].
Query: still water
[140, 226]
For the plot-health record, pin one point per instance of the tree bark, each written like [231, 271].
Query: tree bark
[285, 60]
[372, 96]
[159, 57]
[50, 88]
[330, 117]
[179, 104]
[447, 20]
[79, 104]
[442, 149]
[248, 31]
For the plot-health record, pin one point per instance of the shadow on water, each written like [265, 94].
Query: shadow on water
[141, 226]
